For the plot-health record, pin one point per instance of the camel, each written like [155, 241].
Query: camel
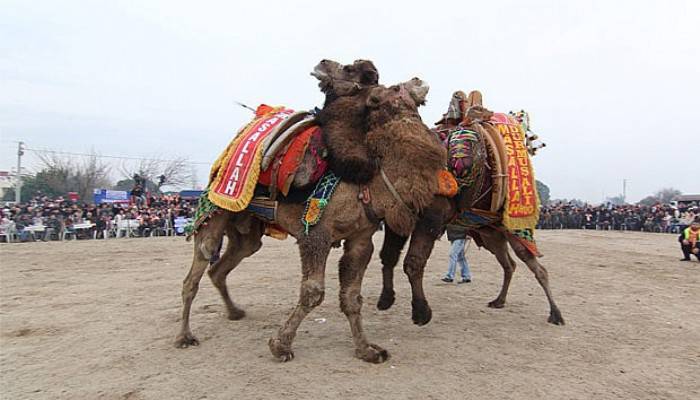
[352, 215]
[432, 224]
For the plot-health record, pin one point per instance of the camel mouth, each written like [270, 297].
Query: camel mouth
[418, 89]
[318, 73]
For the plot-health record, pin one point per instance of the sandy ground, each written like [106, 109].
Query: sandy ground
[96, 320]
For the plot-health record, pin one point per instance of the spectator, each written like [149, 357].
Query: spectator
[690, 240]
[53, 225]
[656, 218]
[59, 215]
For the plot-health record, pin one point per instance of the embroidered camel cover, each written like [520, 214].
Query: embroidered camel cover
[235, 173]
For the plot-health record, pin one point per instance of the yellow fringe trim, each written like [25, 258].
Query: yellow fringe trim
[529, 222]
[219, 167]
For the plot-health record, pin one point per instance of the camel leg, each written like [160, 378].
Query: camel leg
[428, 229]
[542, 277]
[419, 250]
[240, 246]
[205, 244]
[314, 249]
[390, 253]
[497, 244]
[352, 266]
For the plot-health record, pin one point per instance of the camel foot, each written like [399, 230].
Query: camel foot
[555, 317]
[235, 314]
[372, 353]
[497, 304]
[386, 300]
[280, 351]
[421, 313]
[183, 341]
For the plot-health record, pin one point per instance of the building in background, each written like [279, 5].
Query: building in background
[6, 182]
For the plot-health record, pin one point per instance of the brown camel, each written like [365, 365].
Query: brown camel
[432, 224]
[391, 116]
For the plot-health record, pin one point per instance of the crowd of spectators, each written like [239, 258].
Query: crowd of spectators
[148, 216]
[158, 214]
[656, 218]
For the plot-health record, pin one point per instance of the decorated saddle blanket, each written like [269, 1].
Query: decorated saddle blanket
[463, 150]
[299, 163]
[257, 147]
[522, 206]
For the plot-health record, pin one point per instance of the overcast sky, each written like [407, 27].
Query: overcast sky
[612, 87]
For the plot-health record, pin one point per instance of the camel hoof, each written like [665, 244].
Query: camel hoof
[280, 351]
[497, 304]
[373, 354]
[185, 341]
[421, 313]
[555, 318]
[236, 314]
[386, 300]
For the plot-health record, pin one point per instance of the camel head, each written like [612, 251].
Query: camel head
[345, 80]
[401, 99]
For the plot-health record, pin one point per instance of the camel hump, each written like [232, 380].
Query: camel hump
[475, 99]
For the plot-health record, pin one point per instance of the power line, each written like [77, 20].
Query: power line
[113, 157]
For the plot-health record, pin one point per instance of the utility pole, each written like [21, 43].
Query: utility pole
[18, 185]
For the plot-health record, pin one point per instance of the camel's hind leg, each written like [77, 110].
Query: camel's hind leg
[390, 253]
[542, 277]
[496, 243]
[244, 236]
[352, 266]
[206, 242]
[314, 249]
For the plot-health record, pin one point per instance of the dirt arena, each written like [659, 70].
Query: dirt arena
[96, 320]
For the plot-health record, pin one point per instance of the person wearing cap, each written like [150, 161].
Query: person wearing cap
[690, 240]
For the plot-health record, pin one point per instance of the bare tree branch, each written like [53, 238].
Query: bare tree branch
[158, 172]
[177, 172]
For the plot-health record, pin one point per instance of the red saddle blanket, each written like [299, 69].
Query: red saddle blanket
[300, 164]
[279, 148]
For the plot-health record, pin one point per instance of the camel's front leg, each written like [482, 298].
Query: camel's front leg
[428, 229]
[314, 250]
[390, 253]
[414, 265]
[353, 264]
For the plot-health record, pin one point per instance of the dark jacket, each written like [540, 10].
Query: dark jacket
[455, 232]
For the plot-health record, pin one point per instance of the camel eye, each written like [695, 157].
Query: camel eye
[395, 88]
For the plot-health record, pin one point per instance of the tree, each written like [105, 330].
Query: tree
[59, 176]
[157, 173]
[616, 200]
[649, 201]
[128, 184]
[665, 196]
[543, 192]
